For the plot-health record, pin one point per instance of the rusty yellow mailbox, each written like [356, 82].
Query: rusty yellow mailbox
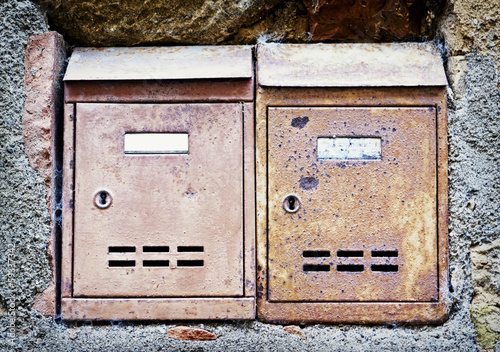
[351, 183]
[159, 184]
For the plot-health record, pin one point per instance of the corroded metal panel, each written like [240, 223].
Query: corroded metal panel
[158, 225]
[366, 227]
[349, 65]
[151, 63]
[286, 304]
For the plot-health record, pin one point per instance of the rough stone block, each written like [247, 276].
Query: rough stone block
[127, 23]
[456, 68]
[190, 334]
[371, 20]
[469, 26]
[294, 330]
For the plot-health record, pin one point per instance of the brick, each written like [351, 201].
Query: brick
[45, 58]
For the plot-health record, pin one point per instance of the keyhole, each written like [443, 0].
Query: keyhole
[102, 199]
[291, 203]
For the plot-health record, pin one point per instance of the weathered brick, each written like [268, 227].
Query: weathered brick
[45, 59]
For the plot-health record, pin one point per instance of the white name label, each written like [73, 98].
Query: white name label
[156, 143]
[349, 148]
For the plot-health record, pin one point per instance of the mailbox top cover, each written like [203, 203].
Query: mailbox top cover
[147, 63]
[350, 65]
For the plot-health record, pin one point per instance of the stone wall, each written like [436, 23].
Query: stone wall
[471, 31]
[108, 23]
[468, 33]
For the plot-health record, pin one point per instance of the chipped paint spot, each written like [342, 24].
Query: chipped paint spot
[300, 122]
[308, 183]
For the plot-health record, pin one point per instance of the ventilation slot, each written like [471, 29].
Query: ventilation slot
[155, 249]
[313, 267]
[121, 263]
[353, 268]
[315, 254]
[385, 254]
[121, 249]
[189, 263]
[350, 254]
[385, 268]
[155, 263]
[190, 249]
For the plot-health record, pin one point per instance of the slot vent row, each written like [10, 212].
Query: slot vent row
[350, 254]
[351, 268]
[154, 263]
[156, 249]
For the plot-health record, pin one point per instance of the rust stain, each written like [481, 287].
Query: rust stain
[308, 183]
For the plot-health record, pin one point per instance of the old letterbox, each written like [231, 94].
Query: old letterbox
[351, 183]
[159, 184]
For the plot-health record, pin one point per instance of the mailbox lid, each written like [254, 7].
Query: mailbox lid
[152, 63]
[349, 65]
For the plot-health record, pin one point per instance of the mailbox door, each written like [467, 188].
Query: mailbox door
[159, 224]
[363, 222]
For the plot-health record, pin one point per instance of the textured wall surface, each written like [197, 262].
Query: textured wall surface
[112, 23]
[469, 31]
[474, 188]
[24, 219]
[472, 33]
[473, 26]
[372, 20]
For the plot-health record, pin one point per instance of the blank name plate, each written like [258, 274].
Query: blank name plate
[156, 143]
[349, 148]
